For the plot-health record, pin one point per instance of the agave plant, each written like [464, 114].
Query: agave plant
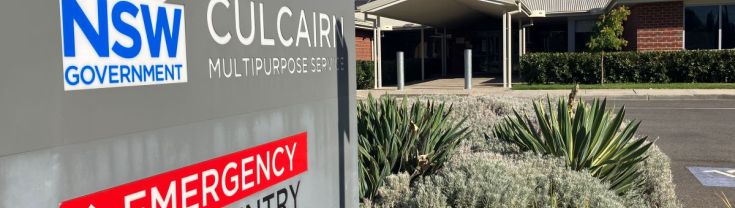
[589, 137]
[394, 137]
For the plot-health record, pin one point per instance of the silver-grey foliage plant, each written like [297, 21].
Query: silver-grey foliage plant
[490, 180]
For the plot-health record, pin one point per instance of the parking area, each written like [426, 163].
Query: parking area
[699, 137]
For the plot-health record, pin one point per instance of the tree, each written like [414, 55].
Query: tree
[608, 35]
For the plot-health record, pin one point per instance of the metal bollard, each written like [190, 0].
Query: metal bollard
[399, 60]
[468, 69]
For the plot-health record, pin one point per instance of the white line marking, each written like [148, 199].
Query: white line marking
[728, 173]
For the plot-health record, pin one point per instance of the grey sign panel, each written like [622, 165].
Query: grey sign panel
[717, 177]
[58, 142]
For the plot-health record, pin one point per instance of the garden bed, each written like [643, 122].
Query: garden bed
[486, 172]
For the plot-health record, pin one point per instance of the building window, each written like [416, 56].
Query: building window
[710, 27]
[583, 34]
[728, 27]
[702, 27]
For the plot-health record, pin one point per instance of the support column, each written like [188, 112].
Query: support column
[399, 69]
[374, 55]
[468, 69]
[571, 31]
[510, 51]
[423, 54]
[505, 50]
[524, 42]
[520, 38]
[719, 31]
[444, 51]
[379, 52]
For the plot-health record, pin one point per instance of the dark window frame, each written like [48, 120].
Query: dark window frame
[721, 36]
[727, 26]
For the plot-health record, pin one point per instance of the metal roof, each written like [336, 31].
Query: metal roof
[567, 6]
[553, 7]
[445, 12]
[437, 12]
[425, 12]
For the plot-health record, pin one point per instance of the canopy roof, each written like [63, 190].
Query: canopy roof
[567, 6]
[437, 12]
[447, 12]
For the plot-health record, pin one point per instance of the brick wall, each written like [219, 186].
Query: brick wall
[363, 44]
[655, 26]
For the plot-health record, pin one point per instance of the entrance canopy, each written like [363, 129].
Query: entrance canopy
[458, 13]
[439, 12]
[447, 12]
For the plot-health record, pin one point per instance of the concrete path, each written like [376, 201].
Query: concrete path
[640, 94]
[491, 86]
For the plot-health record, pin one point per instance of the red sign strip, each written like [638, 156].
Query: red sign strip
[214, 183]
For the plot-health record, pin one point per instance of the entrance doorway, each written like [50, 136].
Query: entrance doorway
[486, 52]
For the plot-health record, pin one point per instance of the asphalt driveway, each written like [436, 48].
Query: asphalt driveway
[693, 133]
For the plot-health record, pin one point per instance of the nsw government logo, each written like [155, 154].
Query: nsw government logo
[122, 43]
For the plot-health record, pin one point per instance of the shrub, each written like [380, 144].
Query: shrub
[365, 74]
[540, 181]
[658, 189]
[491, 180]
[633, 67]
[589, 137]
[394, 137]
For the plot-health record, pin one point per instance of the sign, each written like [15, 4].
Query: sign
[718, 177]
[147, 103]
[119, 43]
[213, 183]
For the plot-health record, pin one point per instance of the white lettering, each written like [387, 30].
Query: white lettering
[275, 169]
[324, 32]
[264, 167]
[314, 28]
[251, 36]
[284, 10]
[186, 193]
[215, 68]
[217, 38]
[209, 189]
[132, 197]
[233, 179]
[334, 34]
[303, 30]
[290, 153]
[246, 172]
[170, 196]
[263, 40]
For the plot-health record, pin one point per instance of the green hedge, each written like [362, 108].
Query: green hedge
[365, 74]
[630, 67]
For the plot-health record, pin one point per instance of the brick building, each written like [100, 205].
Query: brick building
[655, 26]
[364, 45]
[499, 31]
